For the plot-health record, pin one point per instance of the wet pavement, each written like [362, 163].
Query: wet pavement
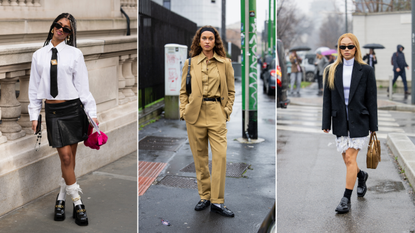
[311, 182]
[250, 197]
[311, 173]
[109, 197]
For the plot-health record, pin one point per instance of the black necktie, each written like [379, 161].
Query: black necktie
[54, 73]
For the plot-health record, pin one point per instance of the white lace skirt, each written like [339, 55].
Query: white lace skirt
[343, 143]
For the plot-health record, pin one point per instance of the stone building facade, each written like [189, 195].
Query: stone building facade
[111, 59]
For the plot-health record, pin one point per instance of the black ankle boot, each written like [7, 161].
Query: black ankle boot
[59, 210]
[79, 214]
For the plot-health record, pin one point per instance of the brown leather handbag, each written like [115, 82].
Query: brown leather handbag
[373, 152]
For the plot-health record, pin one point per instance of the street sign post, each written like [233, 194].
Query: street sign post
[249, 70]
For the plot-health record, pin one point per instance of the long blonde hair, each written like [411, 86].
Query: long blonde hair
[332, 67]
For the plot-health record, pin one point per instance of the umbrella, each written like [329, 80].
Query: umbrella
[329, 52]
[300, 48]
[373, 46]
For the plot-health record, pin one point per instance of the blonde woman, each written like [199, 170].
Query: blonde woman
[350, 106]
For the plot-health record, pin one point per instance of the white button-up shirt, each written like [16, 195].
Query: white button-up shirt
[72, 79]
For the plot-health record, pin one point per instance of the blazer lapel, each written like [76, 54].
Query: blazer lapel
[221, 68]
[356, 76]
[198, 72]
[338, 80]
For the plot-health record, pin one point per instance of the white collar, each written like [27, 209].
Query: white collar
[59, 47]
[348, 62]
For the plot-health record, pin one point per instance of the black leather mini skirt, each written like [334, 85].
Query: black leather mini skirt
[66, 123]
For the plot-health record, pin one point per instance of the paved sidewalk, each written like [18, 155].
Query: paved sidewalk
[399, 143]
[250, 197]
[110, 197]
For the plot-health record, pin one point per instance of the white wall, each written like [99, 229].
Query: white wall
[202, 12]
[388, 29]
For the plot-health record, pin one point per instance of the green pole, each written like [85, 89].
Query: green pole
[274, 34]
[269, 28]
[249, 70]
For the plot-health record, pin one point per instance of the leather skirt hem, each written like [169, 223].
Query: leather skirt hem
[66, 123]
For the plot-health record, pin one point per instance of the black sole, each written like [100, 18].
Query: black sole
[221, 213]
[343, 212]
[59, 218]
[81, 223]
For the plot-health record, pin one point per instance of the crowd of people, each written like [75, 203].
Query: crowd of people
[322, 61]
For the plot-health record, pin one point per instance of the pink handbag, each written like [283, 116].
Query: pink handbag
[95, 140]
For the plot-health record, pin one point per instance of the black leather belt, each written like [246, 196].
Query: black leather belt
[211, 99]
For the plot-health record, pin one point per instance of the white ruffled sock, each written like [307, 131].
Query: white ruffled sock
[62, 191]
[73, 190]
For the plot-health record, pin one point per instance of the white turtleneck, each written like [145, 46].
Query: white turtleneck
[347, 78]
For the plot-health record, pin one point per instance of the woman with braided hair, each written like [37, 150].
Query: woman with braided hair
[59, 75]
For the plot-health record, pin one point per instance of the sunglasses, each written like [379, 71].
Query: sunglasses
[343, 47]
[58, 26]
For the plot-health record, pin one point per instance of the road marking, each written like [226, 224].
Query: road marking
[313, 130]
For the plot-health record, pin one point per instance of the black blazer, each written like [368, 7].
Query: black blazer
[363, 111]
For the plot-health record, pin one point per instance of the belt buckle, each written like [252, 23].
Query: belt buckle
[54, 62]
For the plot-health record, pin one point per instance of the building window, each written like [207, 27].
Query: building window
[167, 4]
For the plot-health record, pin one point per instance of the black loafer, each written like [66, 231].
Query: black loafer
[59, 210]
[202, 204]
[222, 210]
[79, 214]
[361, 184]
[344, 206]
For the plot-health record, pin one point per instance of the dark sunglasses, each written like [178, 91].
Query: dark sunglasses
[343, 47]
[58, 26]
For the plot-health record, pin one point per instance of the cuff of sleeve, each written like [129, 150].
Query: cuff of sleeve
[94, 115]
[34, 116]
[35, 119]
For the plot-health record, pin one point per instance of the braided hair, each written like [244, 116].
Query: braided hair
[72, 37]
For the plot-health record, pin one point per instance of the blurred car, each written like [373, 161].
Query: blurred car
[269, 79]
[266, 65]
[282, 78]
[268, 225]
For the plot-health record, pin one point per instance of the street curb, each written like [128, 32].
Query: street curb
[410, 108]
[402, 147]
[151, 112]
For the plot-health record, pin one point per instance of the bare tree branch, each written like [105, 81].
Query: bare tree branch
[292, 24]
[370, 6]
